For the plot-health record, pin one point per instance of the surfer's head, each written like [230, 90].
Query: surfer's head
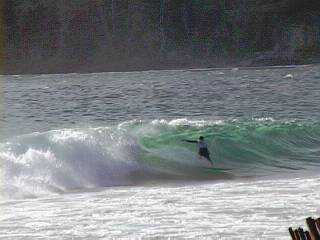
[201, 138]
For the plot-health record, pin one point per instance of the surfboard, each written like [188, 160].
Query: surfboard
[205, 163]
[216, 170]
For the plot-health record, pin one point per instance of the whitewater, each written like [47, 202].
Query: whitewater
[102, 156]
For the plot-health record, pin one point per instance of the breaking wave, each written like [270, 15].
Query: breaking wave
[138, 152]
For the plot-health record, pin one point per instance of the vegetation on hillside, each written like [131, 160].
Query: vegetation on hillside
[94, 35]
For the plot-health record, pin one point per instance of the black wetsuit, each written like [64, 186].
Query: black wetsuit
[202, 149]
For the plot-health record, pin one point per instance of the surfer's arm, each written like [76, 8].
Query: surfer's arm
[190, 141]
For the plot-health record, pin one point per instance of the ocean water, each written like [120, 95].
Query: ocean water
[101, 156]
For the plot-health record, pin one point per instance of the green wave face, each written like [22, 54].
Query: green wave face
[255, 146]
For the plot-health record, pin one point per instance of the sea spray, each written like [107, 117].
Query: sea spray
[66, 159]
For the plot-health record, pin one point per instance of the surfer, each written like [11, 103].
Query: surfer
[202, 148]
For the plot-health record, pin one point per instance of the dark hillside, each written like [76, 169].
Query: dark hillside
[123, 35]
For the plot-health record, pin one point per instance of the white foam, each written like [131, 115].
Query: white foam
[288, 76]
[66, 135]
[65, 159]
[186, 122]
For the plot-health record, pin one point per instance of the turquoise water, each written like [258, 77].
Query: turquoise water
[253, 147]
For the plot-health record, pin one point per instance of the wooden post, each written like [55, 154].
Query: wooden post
[313, 228]
[307, 234]
[292, 233]
[301, 234]
[296, 234]
[318, 224]
[312, 234]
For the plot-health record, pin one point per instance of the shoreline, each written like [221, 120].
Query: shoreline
[88, 70]
[24, 66]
